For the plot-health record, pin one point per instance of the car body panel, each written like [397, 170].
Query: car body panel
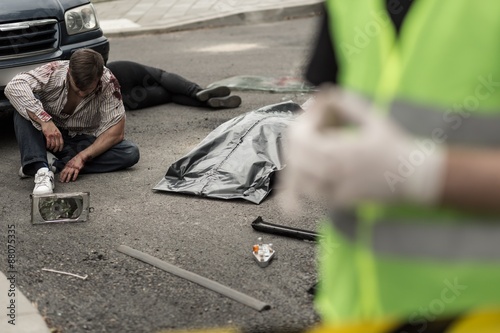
[16, 10]
[15, 13]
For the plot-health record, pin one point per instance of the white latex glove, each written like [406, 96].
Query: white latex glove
[371, 159]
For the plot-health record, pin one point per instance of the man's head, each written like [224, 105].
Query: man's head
[85, 69]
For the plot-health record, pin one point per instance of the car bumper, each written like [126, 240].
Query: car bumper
[15, 66]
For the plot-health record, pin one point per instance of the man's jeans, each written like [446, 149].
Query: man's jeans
[33, 149]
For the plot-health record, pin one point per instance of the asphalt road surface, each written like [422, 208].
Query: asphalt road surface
[212, 238]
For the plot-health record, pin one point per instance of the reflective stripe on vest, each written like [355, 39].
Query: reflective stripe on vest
[460, 126]
[477, 241]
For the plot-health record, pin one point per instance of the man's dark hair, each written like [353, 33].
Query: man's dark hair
[86, 66]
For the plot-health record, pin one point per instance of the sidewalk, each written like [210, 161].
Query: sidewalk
[16, 308]
[131, 17]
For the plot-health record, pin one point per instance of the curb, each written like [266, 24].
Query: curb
[232, 19]
[26, 317]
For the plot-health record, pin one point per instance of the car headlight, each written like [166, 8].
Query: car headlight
[81, 19]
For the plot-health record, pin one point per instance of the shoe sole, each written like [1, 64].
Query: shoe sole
[21, 174]
[228, 102]
[206, 94]
[44, 193]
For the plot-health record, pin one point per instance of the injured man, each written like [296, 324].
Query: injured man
[144, 86]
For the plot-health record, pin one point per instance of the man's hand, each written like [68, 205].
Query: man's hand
[72, 169]
[53, 136]
[363, 161]
[105, 141]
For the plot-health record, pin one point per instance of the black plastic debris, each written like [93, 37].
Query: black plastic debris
[281, 230]
[238, 160]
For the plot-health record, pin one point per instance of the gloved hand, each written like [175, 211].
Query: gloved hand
[343, 151]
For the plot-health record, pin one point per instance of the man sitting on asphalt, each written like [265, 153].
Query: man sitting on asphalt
[73, 109]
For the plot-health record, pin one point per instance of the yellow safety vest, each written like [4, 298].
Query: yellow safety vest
[440, 80]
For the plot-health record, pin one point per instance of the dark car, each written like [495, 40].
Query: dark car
[36, 32]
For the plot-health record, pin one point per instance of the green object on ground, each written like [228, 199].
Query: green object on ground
[261, 83]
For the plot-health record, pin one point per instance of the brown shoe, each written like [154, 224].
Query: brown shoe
[227, 102]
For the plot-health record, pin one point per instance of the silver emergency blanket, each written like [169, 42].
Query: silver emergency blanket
[237, 160]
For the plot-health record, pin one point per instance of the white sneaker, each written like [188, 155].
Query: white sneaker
[44, 181]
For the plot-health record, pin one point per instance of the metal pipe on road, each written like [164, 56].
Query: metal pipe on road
[202, 281]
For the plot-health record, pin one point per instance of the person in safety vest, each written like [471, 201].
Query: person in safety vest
[403, 146]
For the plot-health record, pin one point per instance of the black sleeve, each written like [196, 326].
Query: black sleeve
[322, 66]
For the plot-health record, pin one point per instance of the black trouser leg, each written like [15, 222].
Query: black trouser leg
[177, 85]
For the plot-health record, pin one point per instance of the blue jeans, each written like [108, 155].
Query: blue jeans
[33, 149]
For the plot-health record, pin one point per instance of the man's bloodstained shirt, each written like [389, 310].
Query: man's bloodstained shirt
[44, 92]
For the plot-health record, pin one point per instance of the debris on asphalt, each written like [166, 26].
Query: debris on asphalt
[263, 253]
[193, 277]
[262, 83]
[260, 225]
[60, 207]
[66, 273]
